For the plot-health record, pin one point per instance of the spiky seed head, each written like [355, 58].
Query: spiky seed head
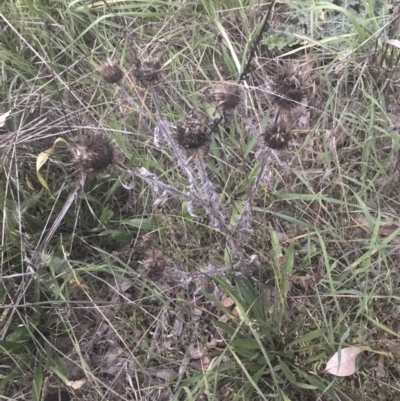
[276, 136]
[287, 89]
[226, 95]
[147, 70]
[93, 153]
[193, 133]
[154, 265]
[111, 72]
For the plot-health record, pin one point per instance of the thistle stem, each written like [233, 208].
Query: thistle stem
[42, 246]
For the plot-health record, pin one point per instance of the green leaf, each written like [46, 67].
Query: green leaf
[37, 384]
[10, 377]
[225, 328]
[230, 291]
[246, 290]
[251, 297]
[56, 363]
[308, 337]
[291, 377]
[287, 372]
[287, 268]
[142, 224]
[20, 334]
[315, 381]
[106, 215]
[229, 45]
[118, 235]
[245, 353]
[245, 343]
[10, 346]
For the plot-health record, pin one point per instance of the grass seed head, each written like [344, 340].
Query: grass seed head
[193, 133]
[287, 89]
[111, 72]
[147, 71]
[276, 136]
[93, 153]
[226, 95]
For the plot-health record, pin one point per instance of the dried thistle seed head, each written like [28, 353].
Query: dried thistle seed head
[147, 70]
[154, 265]
[276, 136]
[287, 89]
[226, 95]
[193, 133]
[93, 153]
[111, 72]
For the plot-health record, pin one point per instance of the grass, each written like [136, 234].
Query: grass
[231, 272]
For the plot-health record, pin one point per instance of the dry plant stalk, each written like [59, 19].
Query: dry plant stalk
[89, 154]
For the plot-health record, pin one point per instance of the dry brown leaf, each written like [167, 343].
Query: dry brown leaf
[227, 302]
[205, 363]
[197, 352]
[385, 229]
[237, 312]
[3, 118]
[77, 384]
[394, 42]
[380, 369]
[40, 161]
[212, 363]
[276, 368]
[166, 374]
[224, 318]
[347, 364]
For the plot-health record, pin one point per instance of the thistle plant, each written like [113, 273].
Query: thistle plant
[147, 70]
[276, 136]
[112, 73]
[227, 95]
[87, 155]
[287, 88]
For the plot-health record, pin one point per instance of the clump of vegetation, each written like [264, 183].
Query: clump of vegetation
[164, 240]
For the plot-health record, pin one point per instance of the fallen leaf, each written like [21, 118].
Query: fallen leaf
[385, 229]
[77, 384]
[3, 118]
[29, 183]
[380, 369]
[205, 363]
[394, 42]
[227, 302]
[40, 161]
[388, 229]
[347, 364]
[166, 374]
[197, 352]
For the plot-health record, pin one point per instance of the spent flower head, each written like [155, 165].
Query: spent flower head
[276, 136]
[193, 133]
[147, 70]
[92, 153]
[226, 95]
[287, 88]
[111, 72]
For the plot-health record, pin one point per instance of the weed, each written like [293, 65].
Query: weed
[248, 230]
